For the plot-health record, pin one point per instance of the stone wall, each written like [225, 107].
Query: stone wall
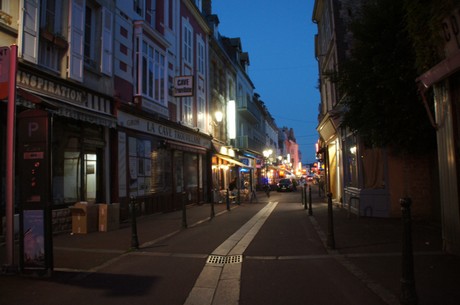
[62, 220]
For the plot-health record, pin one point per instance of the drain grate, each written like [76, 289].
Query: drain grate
[219, 259]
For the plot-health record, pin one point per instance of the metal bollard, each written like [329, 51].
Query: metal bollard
[310, 211]
[184, 210]
[304, 195]
[134, 237]
[408, 294]
[330, 223]
[213, 213]
[228, 199]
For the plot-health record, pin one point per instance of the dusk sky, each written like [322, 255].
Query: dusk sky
[280, 41]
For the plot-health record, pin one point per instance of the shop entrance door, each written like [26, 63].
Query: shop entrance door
[81, 176]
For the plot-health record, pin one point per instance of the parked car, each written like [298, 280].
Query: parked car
[285, 185]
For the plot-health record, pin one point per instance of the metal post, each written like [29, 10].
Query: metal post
[330, 223]
[310, 211]
[213, 213]
[184, 210]
[238, 196]
[228, 199]
[408, 294]
[302, 194]
[134, 237]
[10, 158]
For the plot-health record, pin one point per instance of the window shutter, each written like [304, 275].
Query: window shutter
[29, 39]
[76, 35]
[106, 54]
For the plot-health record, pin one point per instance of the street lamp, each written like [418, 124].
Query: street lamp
[266, 154]
[218, 116]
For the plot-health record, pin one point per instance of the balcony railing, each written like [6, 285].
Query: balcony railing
[248, 110]
[244, 142]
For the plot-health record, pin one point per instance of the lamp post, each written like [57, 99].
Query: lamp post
[218, 116]
[267, 153]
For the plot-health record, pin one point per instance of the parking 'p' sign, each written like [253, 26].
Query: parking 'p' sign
[4, 71]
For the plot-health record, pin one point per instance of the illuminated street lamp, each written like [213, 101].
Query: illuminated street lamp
[219, 116]
[266, 154]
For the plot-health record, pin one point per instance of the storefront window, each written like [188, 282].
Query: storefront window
[178, 171]
[140, 166]
[351, 162]
[72, 183]
[191, 165]
[77, 162]
[161, 171]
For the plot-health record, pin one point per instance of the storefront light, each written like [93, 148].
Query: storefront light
[223, 150]
[353, 150]
[231, 119]
[218, 115]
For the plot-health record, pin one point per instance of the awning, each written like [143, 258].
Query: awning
[185, 147]
[227, 158]
[69, 111]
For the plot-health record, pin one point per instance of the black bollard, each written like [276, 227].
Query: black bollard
[134, 237]
[310, 211]
[408, 294]
[304, 191]
[302, 194]
[212, 206]
[228, 199]
[184, 210]
[330, 223]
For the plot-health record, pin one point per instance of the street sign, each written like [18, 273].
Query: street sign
[183, 85]
[4, 71]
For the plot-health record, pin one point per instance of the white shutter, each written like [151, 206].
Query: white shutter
[28, 39]
[76, 36]
[106, 54]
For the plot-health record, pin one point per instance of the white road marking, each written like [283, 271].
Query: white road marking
[220, 283]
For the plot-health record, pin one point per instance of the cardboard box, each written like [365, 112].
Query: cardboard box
[109, 216]
[84, 218]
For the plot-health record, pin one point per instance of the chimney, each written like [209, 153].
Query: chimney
[207, 7]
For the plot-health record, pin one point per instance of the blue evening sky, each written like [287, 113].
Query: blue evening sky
[279, 37]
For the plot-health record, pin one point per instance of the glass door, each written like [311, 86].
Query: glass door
[81, 177]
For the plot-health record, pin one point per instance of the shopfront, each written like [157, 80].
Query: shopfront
[161, 164]
[79, 121]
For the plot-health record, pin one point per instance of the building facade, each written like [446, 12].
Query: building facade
[162, 90]
[443, 79]
[371, 180]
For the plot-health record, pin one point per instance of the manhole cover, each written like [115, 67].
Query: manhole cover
[219, 259]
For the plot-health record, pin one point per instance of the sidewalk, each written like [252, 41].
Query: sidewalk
[85, 252]
[371, 249]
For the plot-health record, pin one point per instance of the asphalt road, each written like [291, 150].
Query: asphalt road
[283, 262]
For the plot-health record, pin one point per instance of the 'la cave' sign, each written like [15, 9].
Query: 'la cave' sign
[183, 85]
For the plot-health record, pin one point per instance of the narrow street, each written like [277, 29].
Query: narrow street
[268, 252]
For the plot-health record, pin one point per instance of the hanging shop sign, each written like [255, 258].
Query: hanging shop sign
[183, 85]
